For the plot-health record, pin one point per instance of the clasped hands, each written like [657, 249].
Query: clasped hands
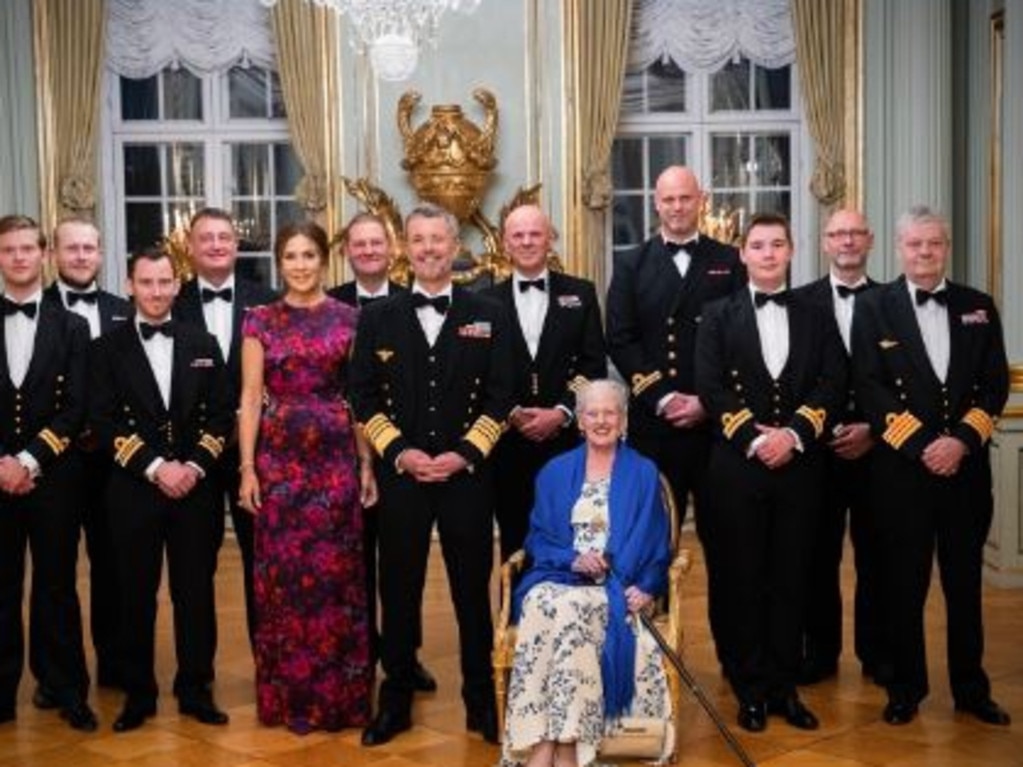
[423, 467]
[943, 456]
[538, 424]
[176, 479]
[15, 478]
[593, 565]
[683, 410]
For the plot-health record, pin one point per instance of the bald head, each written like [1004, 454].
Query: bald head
[677, 199]
[527, 238]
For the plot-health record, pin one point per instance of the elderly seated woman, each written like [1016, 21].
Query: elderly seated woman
[599, 550]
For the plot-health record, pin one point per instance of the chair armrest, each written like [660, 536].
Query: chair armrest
[678, 569]
[509, 570]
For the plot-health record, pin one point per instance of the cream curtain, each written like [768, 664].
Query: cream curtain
[601, 44]
[306, 40]
[70, 33]
[820, 52]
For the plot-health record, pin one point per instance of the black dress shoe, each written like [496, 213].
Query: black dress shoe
[44, 698]
[384, 727]
[900, 712]
[795, 712]
[202, 709]
[484, 721]
[753, 716]
[986, 711]
[133, 715]
[79, 716]
[422, 679]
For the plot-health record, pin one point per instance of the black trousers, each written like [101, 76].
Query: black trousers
[919, 513]
[461, 508]
[46, 522]
[847, 494]
[226, 479]
[758, 528]
[145, 523]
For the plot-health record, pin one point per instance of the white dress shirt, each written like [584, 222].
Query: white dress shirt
[531, 306]
[361, 293]
[160, 352]
[932, 318]
[430, 319]
[87, 311]
[20, 339]
[219, 314]
[682, 258]
[844, 307]
[773, 329]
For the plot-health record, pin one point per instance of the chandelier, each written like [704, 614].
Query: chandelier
[391, 32]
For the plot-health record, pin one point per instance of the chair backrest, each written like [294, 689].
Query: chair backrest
[668, 497]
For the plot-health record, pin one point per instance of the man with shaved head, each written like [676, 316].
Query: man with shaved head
[558, 345]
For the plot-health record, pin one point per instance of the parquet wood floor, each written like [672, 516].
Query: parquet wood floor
[852, 733]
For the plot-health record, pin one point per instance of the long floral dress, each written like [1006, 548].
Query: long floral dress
[555, 692]
[312, 650]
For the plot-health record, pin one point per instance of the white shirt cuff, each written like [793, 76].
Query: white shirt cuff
[29, 461]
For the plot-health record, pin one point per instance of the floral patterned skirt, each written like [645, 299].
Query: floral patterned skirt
[555, 692]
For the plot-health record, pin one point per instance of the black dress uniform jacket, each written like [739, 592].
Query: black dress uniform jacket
[570, 353]
[43, 417]
[347, 292]
[908, 407]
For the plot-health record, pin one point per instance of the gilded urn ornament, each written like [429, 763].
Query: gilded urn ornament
[448, 157]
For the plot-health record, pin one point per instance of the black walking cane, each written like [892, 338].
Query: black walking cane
[697, 691]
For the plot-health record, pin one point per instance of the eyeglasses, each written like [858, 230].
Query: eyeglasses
[841, 234]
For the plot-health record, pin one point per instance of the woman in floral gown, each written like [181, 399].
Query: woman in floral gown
[303, 479]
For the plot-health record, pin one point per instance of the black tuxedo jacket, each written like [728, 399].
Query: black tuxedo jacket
[113, 310]
[128, 415]
[247, 294]
[46, 413]
[905, 402]
[346, 292]
[453, 396]
[653, 315]
[737, 390]
[571, 349]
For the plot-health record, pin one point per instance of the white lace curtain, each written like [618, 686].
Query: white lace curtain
[145, 36]
[704, 35]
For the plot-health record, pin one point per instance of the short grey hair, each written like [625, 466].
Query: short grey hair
[429, 210]
[921, 214]
[615, 388]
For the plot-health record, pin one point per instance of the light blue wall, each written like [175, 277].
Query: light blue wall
[19, 166]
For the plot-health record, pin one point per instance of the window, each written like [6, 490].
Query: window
[180, 141]
[738, 128]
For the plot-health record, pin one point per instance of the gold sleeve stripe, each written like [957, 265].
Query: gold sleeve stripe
[640, 382]
[484, 434]
[212, 445]
[577, 383]
[126, 447]
[55, 443]
[901, 427]
[380, 432]
[980, 422]
[815, 417]
[730, 422]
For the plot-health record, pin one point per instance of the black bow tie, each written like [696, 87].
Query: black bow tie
[939, 297]
[209, 294]
[29, 309]
[844, 291]
[367, 300]
[760, 299]
[89, 297]
[674, 247]
[149, 330]
[439, 303]
[539, 283]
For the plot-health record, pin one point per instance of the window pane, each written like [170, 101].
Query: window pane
[180, 213]
[288, 213]
[666, 88]
[182, 95]
[250, 170]
[633, 94]
[185, 176]
[670, 150]
[729, 161]
[627, 225]
[287, 170]
[142, 170]
[252, 220]
[258, 269]
[144, 225]
[277, 108]
[729, 87]
[773, 162]
[729, 202]
[772, 88]
[247, 92]
[139, 99]
[627, 164]
[774, 202]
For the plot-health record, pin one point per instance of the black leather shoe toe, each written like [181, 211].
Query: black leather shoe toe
[986, 711]
[483, 721]
[753, 716]
[79, 716]
[795, 713]
[384, 727]
[203, 710]
[899, 712]
[422, 679]
[133, 716]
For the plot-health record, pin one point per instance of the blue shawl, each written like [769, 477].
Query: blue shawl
[637, 549]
